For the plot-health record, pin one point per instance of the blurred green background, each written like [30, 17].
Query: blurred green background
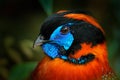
[20, 22]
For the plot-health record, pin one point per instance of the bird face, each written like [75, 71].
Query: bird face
[62, 35]
[59, 42]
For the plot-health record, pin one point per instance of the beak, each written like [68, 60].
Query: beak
[40, 41]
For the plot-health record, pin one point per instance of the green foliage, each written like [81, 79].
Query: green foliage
[22, 71]
[113, 51]
[47, 6]
[112, 48]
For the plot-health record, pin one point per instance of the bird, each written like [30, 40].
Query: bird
[75, 48]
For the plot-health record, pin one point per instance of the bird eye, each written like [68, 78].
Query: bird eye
[65, 30]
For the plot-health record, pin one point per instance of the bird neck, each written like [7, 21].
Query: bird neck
[99, 51]
[59, 69]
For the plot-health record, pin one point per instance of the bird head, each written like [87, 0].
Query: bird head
[71, 36]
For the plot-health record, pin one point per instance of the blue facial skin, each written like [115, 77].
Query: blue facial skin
[58, 42]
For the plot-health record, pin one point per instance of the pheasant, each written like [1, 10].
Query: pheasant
[75, 48]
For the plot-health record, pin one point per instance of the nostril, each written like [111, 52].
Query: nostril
[41, 37]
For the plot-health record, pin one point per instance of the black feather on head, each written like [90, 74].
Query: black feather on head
[82, 31]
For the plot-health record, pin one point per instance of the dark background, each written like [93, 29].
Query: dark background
[20, 22]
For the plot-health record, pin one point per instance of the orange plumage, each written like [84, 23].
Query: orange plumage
[96, 69]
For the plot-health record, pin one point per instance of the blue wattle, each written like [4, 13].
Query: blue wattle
[51, 50]
[60, 41]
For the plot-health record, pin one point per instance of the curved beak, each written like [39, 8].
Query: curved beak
[40, 41]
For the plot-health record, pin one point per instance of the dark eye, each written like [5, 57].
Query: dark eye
[65, 30]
